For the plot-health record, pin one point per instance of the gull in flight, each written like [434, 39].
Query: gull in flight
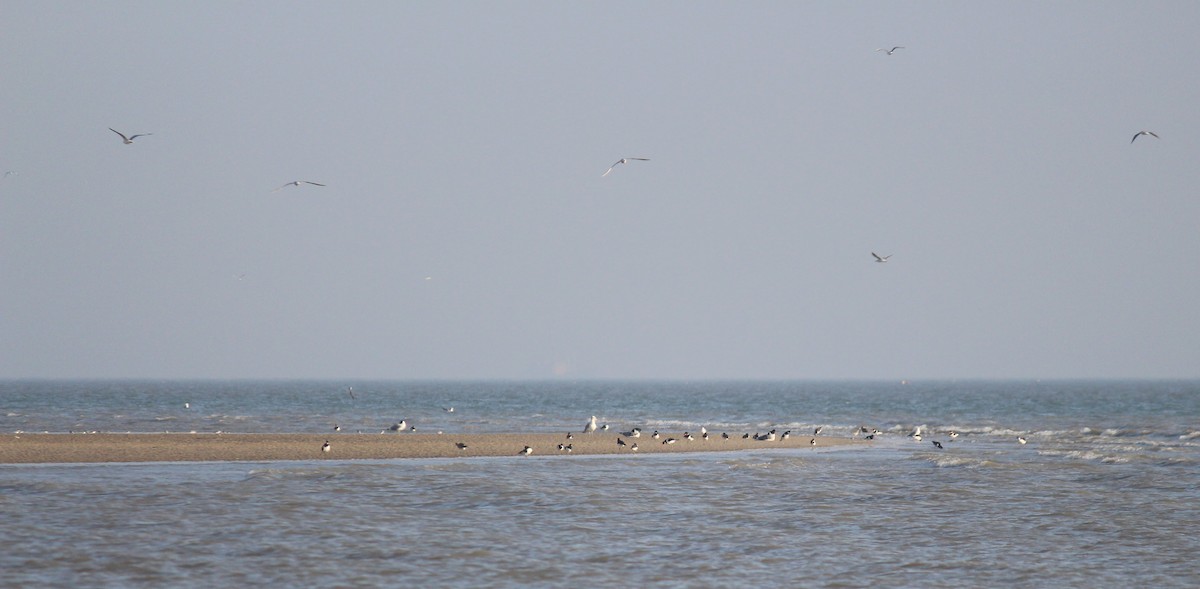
[1150, 133]
[130, 138]
[889, 51]
[296, 183]
[623, 160]
[879, 258]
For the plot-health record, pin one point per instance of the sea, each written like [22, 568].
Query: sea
[1105, 491]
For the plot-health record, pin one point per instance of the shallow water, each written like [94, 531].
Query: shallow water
[1104, 494]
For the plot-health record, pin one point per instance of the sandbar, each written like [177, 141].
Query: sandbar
[26, 448]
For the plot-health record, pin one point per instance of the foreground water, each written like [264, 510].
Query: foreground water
[1104, 494]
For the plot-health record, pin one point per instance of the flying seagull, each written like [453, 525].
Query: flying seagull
[889, 51]
[296, 183]
[623, 160]
[130, 138]
[1150, 133]
[879, 258]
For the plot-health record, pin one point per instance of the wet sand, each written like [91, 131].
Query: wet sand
[28, 448]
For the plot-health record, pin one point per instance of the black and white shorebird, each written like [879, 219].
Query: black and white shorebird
[889, 51]
[633, 433]
[399, 427]
[337, 428]
[656, 435]
[879, 258]
[623, 160]
[937, 444]
[1140, 133]
[460, 446]
[128, 140]
[724, 435]
[812, 442]
[953, 434]
[785, 435]
[325, 446]
[817, 430]
[1022, 440]
[448, 409]
[526, 451]
[633, 448]
[621, 443]
[669, 441]
[570, 436]
[296, 183]
[591, 426]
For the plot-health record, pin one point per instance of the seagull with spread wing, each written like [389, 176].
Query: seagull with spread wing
[623, 160]
[128, 140]
[296, 183]
[1140, 133]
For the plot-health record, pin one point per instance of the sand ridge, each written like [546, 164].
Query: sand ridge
[26, 448]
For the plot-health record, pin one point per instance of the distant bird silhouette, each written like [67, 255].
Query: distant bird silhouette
[325, 447]
[889, 51]
[296, 183]
[1139, 133]
[460, 446]
[128, 140]
[937, 444]
[526, 452]
[879, 258]
[623, 160]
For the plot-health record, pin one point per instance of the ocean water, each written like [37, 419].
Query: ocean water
[1106, 493]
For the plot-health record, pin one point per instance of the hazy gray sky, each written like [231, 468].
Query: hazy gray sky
[466, 232]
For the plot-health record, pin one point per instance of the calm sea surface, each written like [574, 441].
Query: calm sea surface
[1106, 493]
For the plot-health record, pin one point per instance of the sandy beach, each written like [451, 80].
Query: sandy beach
[28, 448]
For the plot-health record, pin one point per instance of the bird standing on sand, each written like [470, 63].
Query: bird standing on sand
[1140, 133]
[591, 426]
[633, 448]
[296, 183]
[399, 427]
[325, 447]
[460, 446]
[526, 452]
[128, 140]
[620, 442]
[623, 160]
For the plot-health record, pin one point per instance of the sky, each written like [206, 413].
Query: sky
[465, 230]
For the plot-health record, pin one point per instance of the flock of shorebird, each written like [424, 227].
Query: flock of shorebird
[627, 440]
